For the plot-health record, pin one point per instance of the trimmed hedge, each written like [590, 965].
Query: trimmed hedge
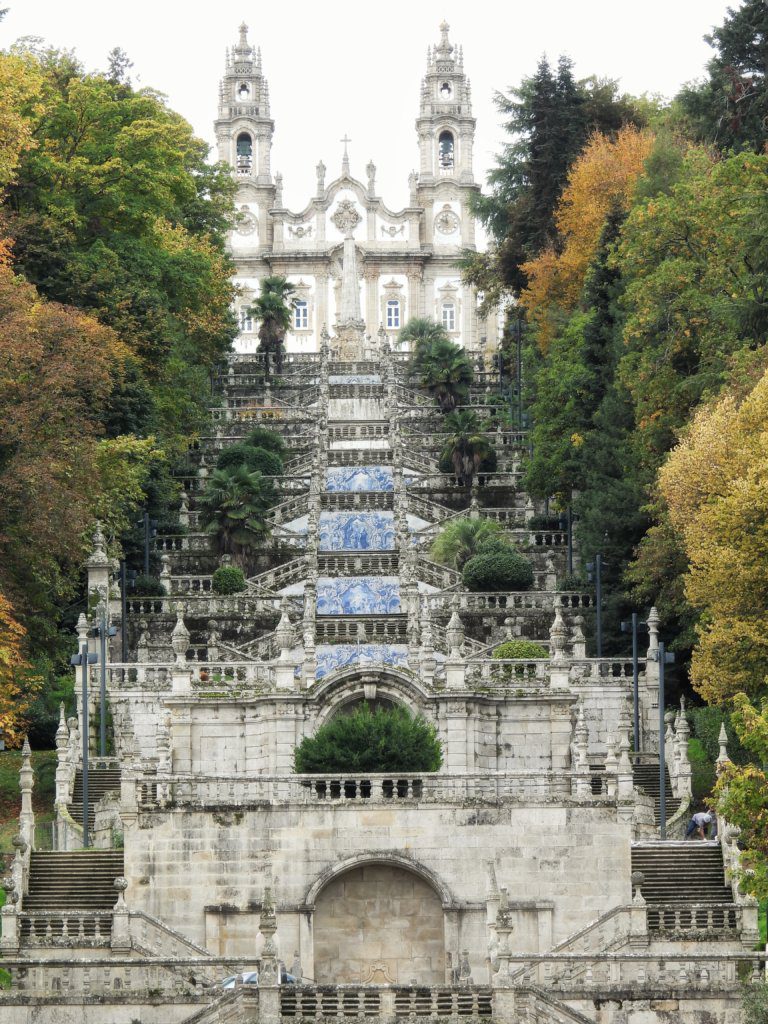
[253, 458]
[498, 570]
[228, 579]
[488, 465]
[520, 649]
[385, 740]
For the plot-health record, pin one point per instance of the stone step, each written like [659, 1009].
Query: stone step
[73, 881]
[682, 873]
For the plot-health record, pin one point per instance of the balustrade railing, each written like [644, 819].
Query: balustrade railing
[65, 928]
[673, 921]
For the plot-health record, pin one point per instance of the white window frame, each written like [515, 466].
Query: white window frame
[449, 317]
[301, 315]
[393, 314]
[246, 321]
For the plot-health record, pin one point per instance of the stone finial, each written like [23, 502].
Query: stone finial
[82, 630]
[637, 878]
[722, 758]
[26, 783]
[284, 630]
[492, 891]
[165, 574]
[180, 638]
[62, 733]
[455, 630]
[98, 557]
[653, 631]
[558, 633]
[120, 884]
[445, 48]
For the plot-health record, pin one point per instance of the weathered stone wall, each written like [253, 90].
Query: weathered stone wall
[378, 924]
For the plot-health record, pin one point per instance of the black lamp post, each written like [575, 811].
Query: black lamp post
[595, 575]
[634, 627]
[663, 659]
[566, 524]
[150, 529]
[84, 659]
[127, 578]
[103, 631]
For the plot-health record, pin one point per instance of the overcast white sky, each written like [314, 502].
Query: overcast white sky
[346, 66]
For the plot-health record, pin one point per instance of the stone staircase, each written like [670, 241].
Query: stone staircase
[100, 782]
[681, 872]
[646, 777]
[83, 880]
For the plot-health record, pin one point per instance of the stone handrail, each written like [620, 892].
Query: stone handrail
[417, 460]
[255, 601]
[437, 575]
[292, 508]
[506, 601]
[381, 789]
[203, 675]
[201, 543]
[385, 1003]
[281, 576]
[429, 510]
[157, 939]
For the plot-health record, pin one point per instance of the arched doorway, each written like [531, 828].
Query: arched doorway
[379, 923]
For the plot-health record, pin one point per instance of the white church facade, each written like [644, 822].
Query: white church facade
[405, 261]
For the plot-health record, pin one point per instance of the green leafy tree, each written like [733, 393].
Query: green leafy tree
[520, 649]
[263, 437]
[252, 457]
[467, 448]
[274, 311]
[233, 508]
[384, 740]
[730, 108]
[462, 539]
[228, 579]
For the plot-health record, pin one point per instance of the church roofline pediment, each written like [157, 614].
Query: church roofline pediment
[349, 184]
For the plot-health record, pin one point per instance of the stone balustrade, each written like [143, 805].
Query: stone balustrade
[216, 676]
[195, 543]
[279, 577]
[260, 414]
[351, 431]
[385, 1003]
[506, 602]
[210, 605]
[359, 456]
[696, 921]
[181, 789]
[65, 928]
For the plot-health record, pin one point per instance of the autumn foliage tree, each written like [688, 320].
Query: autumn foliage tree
[18, 684]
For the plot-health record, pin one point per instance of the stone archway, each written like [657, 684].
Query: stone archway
[379, 923]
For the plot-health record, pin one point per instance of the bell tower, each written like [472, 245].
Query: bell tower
[445, 124]
[244, 127]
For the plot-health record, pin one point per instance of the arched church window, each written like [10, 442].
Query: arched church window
[393, 314]
[244, 153]
[449, 316]
[446, 91]
[246, 321]
[300, 315]
[446, 150]
[243, 91]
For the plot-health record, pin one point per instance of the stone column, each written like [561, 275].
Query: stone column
[181, 676]
[26, 784]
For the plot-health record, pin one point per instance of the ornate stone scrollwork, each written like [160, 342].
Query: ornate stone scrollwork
[346, 218]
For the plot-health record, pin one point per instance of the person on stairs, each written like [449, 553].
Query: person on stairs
[699, 823]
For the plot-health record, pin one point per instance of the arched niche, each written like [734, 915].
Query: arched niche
[379, 922]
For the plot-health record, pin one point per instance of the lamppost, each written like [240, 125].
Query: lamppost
[635, 627]
[127, 578]
[84, 659]
[663, 659]
[150, 529]
[566, 524]
[595, 575]
[103, 631]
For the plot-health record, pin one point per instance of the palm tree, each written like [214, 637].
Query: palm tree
[274, 312]
[438, 365]
[233, 507]
[467, 447]
[462, 539]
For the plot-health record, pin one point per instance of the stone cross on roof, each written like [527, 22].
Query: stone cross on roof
[345, 158]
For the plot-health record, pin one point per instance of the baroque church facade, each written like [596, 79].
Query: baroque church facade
[192, 875]
[350, 257]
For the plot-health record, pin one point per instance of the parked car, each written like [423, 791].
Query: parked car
[252, 978]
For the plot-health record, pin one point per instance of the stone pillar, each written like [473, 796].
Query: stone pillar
[9, 943]
[181, 676]
[26, 784]
[559, 670]
[97, 566]
[62, 760]
[269, 991]
[121, 921]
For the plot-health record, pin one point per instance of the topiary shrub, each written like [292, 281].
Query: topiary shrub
[498, 570]
[228, 579]
[253, 458]
[384, 740]
[263, 437]
[520, 649]
[147, 586]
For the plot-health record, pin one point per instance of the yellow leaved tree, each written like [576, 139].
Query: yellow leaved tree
[18, 685]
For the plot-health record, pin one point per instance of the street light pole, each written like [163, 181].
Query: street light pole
[103, 631]
[84, 659]
[595, 569]
[664, 659]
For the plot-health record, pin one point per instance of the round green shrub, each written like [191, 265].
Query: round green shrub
[253, 458]
[263, 437]
[497, 571]
[384, 740]
[520, 649]
[228, 579]
[147, 586]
